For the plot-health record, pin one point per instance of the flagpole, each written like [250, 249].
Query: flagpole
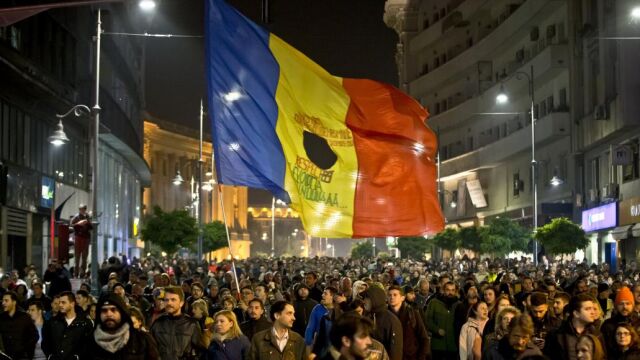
[226, 228]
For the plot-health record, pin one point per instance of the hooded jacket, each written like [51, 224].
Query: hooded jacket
[303, 309]
[387, 327]
[440, 315]
[140, 346]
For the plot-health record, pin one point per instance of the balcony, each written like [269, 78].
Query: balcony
[549, 128]
[515, 26]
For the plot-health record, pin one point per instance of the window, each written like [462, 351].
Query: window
[550, 107]
[595, 173]
[470, 143]
[562, 100]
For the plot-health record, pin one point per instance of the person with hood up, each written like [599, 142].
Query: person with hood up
[440, 319]
[303, 305]
[115, 337]
[358, 289]
[387, 326]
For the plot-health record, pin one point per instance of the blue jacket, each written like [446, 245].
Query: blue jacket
[232, 349]
[314, 323]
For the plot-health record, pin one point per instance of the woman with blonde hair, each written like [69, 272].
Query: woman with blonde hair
[588, 347]
[200, 312]
[501, 327]
[228, 342]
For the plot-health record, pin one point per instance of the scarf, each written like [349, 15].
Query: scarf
[112, 342]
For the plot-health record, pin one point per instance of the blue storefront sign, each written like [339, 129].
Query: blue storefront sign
[601, 217]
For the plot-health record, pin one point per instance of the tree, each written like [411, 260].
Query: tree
[470, 239]
[362, 250]
[502, 236]
[447, 239]
[214, 236]
[413, 247]
[170, 230]
[562, 236]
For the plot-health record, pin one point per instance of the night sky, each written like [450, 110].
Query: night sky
[346, 37]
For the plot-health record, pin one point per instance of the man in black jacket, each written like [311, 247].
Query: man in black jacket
[68, 335]
[257, 321]
[19, 334]
[178, 335]
[624, 306]
[561, 343]
[416, 340]
[387, 327]
[543, 322]
[115, 337]
[303, 305]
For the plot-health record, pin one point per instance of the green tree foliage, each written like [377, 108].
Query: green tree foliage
[448, 239]
[470, 239]
[170, 231]
[502, 236]
[362, 250]
[562, 236]
[214, 236]
[413, 247]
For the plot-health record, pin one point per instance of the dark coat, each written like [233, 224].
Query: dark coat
[387, 327]
[631, 354]
[441, 315]
[501, 350]
[19, 335]
[59, 279]
[232, 349]
[178, 337]
[264, 347]
[66, 342]
[608, 329]
[560, 343]
[542, 327]
[251, 327]
[415, 341]
[140, 346]
[303, 310]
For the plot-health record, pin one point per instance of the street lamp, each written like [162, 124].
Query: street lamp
[333, 249]
[177, 180]
[274, 201]
[502, 98]
[635, 13]
[147, 5]
[59, 138]
[556, 180]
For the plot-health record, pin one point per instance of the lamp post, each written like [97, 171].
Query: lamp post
[502, 98]
[274, 201]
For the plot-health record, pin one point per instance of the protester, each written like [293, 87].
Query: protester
[502, 321]
[387, 326]
[350, 338]
[517, 344]
[177, 335]
[623, 313]
[588, 347]
[440, 322]
[115, 338]
[257, 321]
[36, 312]
[543, 320]
[18, 333]
[627, 343]
[303, 306]
[228, 341]
[470, 342]
[67, 336]
[416, 341]
[279, 342]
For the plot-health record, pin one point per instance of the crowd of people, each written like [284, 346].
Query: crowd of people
[324, 308]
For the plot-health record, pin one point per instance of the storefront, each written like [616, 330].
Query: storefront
[628, 231]
[598, 223]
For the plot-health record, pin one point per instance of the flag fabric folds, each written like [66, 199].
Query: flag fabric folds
[352, 156]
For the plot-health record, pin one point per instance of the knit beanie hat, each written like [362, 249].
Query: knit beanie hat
[624, 295]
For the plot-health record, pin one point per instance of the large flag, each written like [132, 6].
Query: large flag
[352, 156]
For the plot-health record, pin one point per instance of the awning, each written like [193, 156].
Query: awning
[621, 232]
[635, 230]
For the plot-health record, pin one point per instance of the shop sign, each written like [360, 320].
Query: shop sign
[601, 217]
[630, 211]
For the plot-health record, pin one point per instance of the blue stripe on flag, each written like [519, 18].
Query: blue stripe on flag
[242, 77]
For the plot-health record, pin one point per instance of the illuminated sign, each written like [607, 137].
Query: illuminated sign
[48, 187]
[601, 217]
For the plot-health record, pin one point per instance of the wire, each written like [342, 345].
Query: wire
[152, 35]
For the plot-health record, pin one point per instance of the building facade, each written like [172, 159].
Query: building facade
[455, 57]
[46, 68]
[170, 148]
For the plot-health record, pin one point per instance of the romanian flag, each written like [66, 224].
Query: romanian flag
[352, 156]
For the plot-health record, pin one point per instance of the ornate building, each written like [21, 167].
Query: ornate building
[170, 148]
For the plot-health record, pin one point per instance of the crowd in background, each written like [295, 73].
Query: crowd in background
[324, 308]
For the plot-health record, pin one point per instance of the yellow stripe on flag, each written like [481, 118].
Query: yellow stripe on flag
[312, 100]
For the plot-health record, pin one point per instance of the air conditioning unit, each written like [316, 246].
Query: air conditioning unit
[600, 112]
[610, 192]
[593, 196]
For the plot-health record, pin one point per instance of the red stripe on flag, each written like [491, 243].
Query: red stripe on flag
[396, 192]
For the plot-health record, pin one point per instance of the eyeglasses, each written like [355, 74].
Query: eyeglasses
[625, 334]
